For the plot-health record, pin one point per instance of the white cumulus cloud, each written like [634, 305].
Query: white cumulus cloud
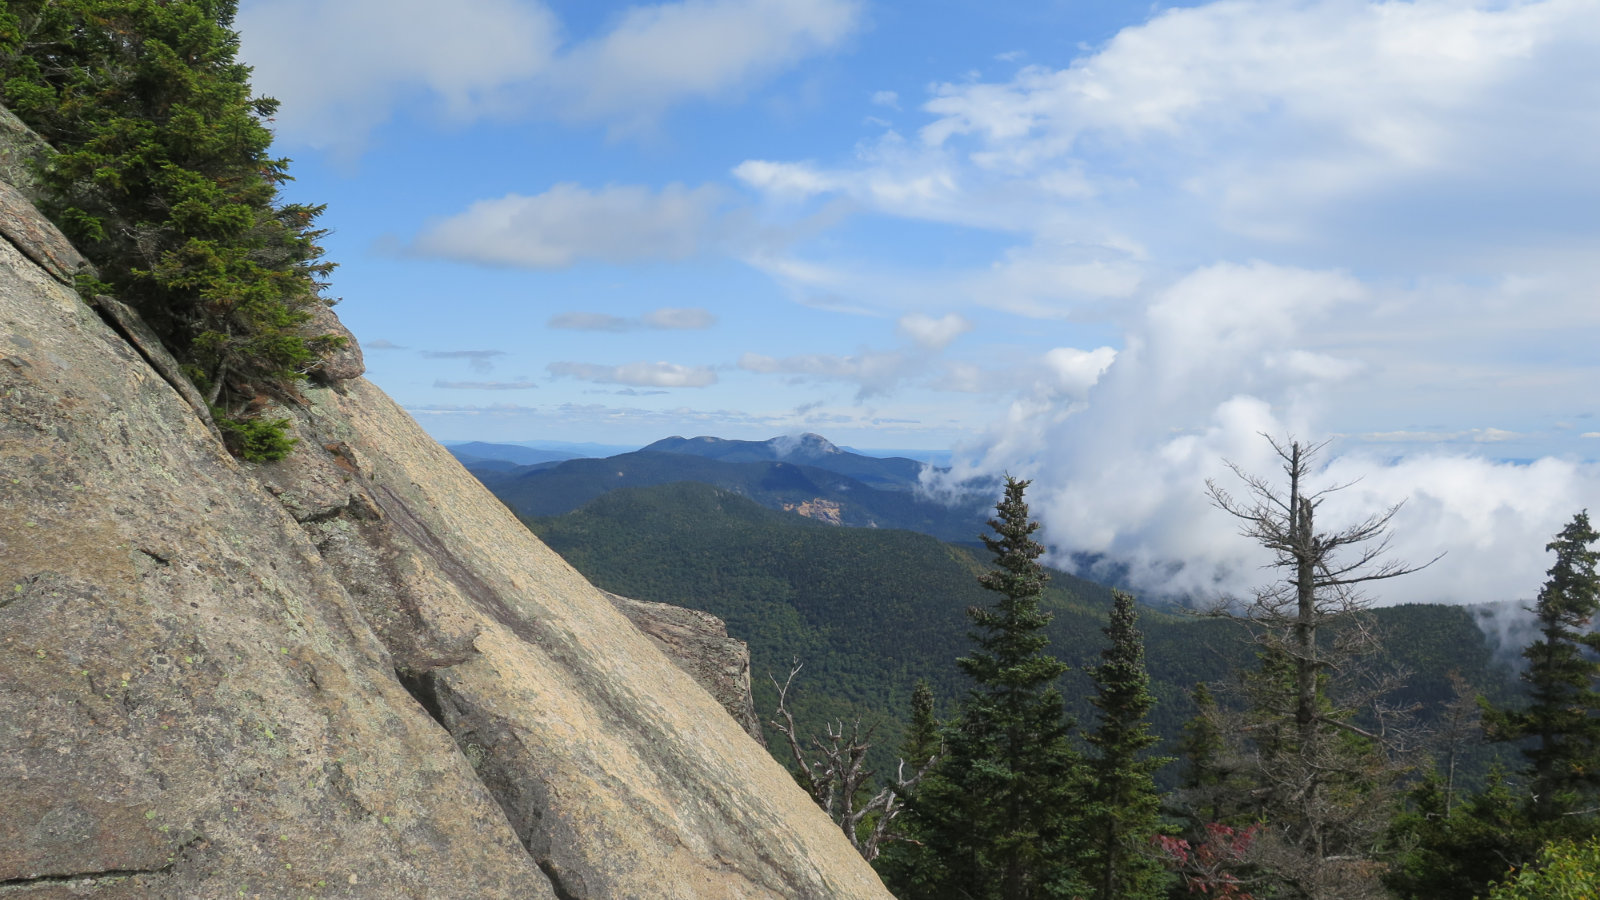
[343, 68]
[931, 333]
[1077, 370]
[1219, 358]
[569, 223]
[340, 68]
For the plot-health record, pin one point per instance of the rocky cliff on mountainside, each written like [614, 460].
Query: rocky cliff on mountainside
[698, 643]
[351, 673]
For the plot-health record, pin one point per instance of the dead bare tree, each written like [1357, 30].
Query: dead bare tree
[834, 772]
[1321, 587]
[1460, 728]
[1325, 749]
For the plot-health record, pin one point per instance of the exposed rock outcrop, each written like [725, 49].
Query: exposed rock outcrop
[698, 643]
[349, 674]
[822, 510]
[38, 240]
[341, 363]
[20, 151]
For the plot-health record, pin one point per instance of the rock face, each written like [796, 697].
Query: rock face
[22, 226]
[698, 643]
[20, 149]
[342, 363]
[348, 674]
[820, 509]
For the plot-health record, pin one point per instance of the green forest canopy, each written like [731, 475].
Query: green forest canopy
[871, 611]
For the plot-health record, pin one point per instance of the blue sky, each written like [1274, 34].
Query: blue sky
[1097, 243]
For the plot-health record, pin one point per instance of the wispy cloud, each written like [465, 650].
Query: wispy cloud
[569, 223]
[587, 321]
[479, 360]
[1264, 110]
[486, 385]
[638, 374]
[342, 69]
[678, 319]
[659, 55]
[1471, 435]
[872, 372]
[665, 319]
[601, 415]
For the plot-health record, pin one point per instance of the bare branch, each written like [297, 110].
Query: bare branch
[1316, 643]
[834, 772]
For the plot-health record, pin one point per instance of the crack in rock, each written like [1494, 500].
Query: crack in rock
[101, 874]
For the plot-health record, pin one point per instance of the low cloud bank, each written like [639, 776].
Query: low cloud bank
[1216, 361]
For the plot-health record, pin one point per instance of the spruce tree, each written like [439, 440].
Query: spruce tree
[1456, 850]
[1001, 814]
[900, 861]
[1563, 719]
[1203, 779]
[162, 178]
[1125, 807]
[922, 736]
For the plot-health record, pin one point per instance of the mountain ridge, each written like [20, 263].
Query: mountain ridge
[555, 488]
[883, 473]
[482, 451]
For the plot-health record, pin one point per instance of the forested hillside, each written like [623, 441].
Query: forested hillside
[869, 612]
[891, 473]
[549, 490]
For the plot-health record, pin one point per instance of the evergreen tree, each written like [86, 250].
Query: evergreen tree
[1000, 814]
[900, 860]
[163, 179]
[1563, 719]
[1203, 784]
[1454, 851]
[922, 735]
[1125, 808]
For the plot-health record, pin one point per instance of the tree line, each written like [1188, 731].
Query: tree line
[1299, 776]
[873, 611]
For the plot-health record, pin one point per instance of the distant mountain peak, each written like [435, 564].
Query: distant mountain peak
[808, 449]
[809, 444]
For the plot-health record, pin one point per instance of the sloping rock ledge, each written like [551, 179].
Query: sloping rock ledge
[348, 674]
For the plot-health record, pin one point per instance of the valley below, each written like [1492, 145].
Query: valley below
[869, 596]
